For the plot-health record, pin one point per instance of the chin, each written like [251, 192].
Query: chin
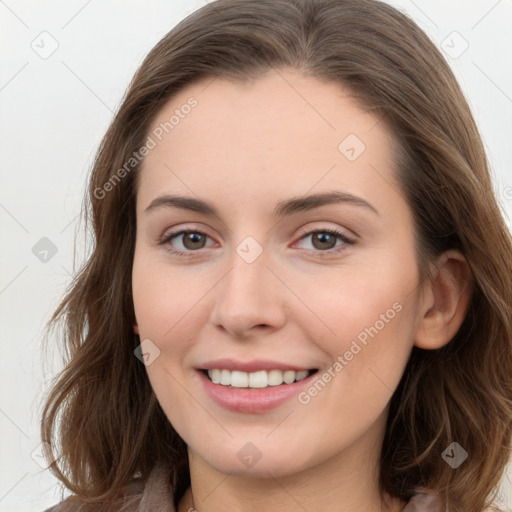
[258, 459]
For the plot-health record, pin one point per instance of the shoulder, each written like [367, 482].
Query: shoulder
[423, 502]
[427, 502]
[75, 504]
[128, 502]
[155, 494]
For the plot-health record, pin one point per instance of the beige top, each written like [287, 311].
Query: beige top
[157, 496]
[423, 502]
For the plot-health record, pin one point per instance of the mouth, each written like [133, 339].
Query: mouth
[254, 386]
[255, 392]
[261, 379]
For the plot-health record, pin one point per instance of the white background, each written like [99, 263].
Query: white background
[53, 114]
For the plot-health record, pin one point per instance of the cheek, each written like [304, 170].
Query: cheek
[349, 299]
[163, 297]
[167, 306]
[367, 320]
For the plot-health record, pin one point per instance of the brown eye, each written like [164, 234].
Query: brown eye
[183, 243]
[323, 240]
[193, 240]
[326, 240]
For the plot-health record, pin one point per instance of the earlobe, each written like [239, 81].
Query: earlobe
[449, 295]
[136, 328]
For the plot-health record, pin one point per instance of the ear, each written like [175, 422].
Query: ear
[136, 327]
[445, 302]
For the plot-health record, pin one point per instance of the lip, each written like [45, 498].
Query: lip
[252, 401]
[250, 366]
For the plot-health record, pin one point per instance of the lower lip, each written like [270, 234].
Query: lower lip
[252, 400]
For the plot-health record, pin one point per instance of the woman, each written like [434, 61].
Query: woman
[299, 296]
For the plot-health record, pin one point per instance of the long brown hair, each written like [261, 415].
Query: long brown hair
[101, 417]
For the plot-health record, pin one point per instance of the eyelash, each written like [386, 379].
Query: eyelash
[346, 241]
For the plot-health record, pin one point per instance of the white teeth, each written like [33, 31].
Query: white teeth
[239, 379]
[301, 375]
[275, 377]
[260, 379]
[289, 376]
[214, 375]
[225, 377]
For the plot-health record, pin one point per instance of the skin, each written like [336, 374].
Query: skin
[244, 148]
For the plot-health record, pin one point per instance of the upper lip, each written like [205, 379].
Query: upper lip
[251, 366]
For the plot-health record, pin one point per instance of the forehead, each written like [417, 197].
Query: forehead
[283, 132]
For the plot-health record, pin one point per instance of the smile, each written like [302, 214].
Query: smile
[256, 391]
[256, 380]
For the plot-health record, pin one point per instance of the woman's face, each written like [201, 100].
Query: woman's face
[299, 257]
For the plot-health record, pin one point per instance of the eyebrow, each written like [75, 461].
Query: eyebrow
[285, 207]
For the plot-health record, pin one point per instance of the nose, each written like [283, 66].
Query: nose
[249, 298]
